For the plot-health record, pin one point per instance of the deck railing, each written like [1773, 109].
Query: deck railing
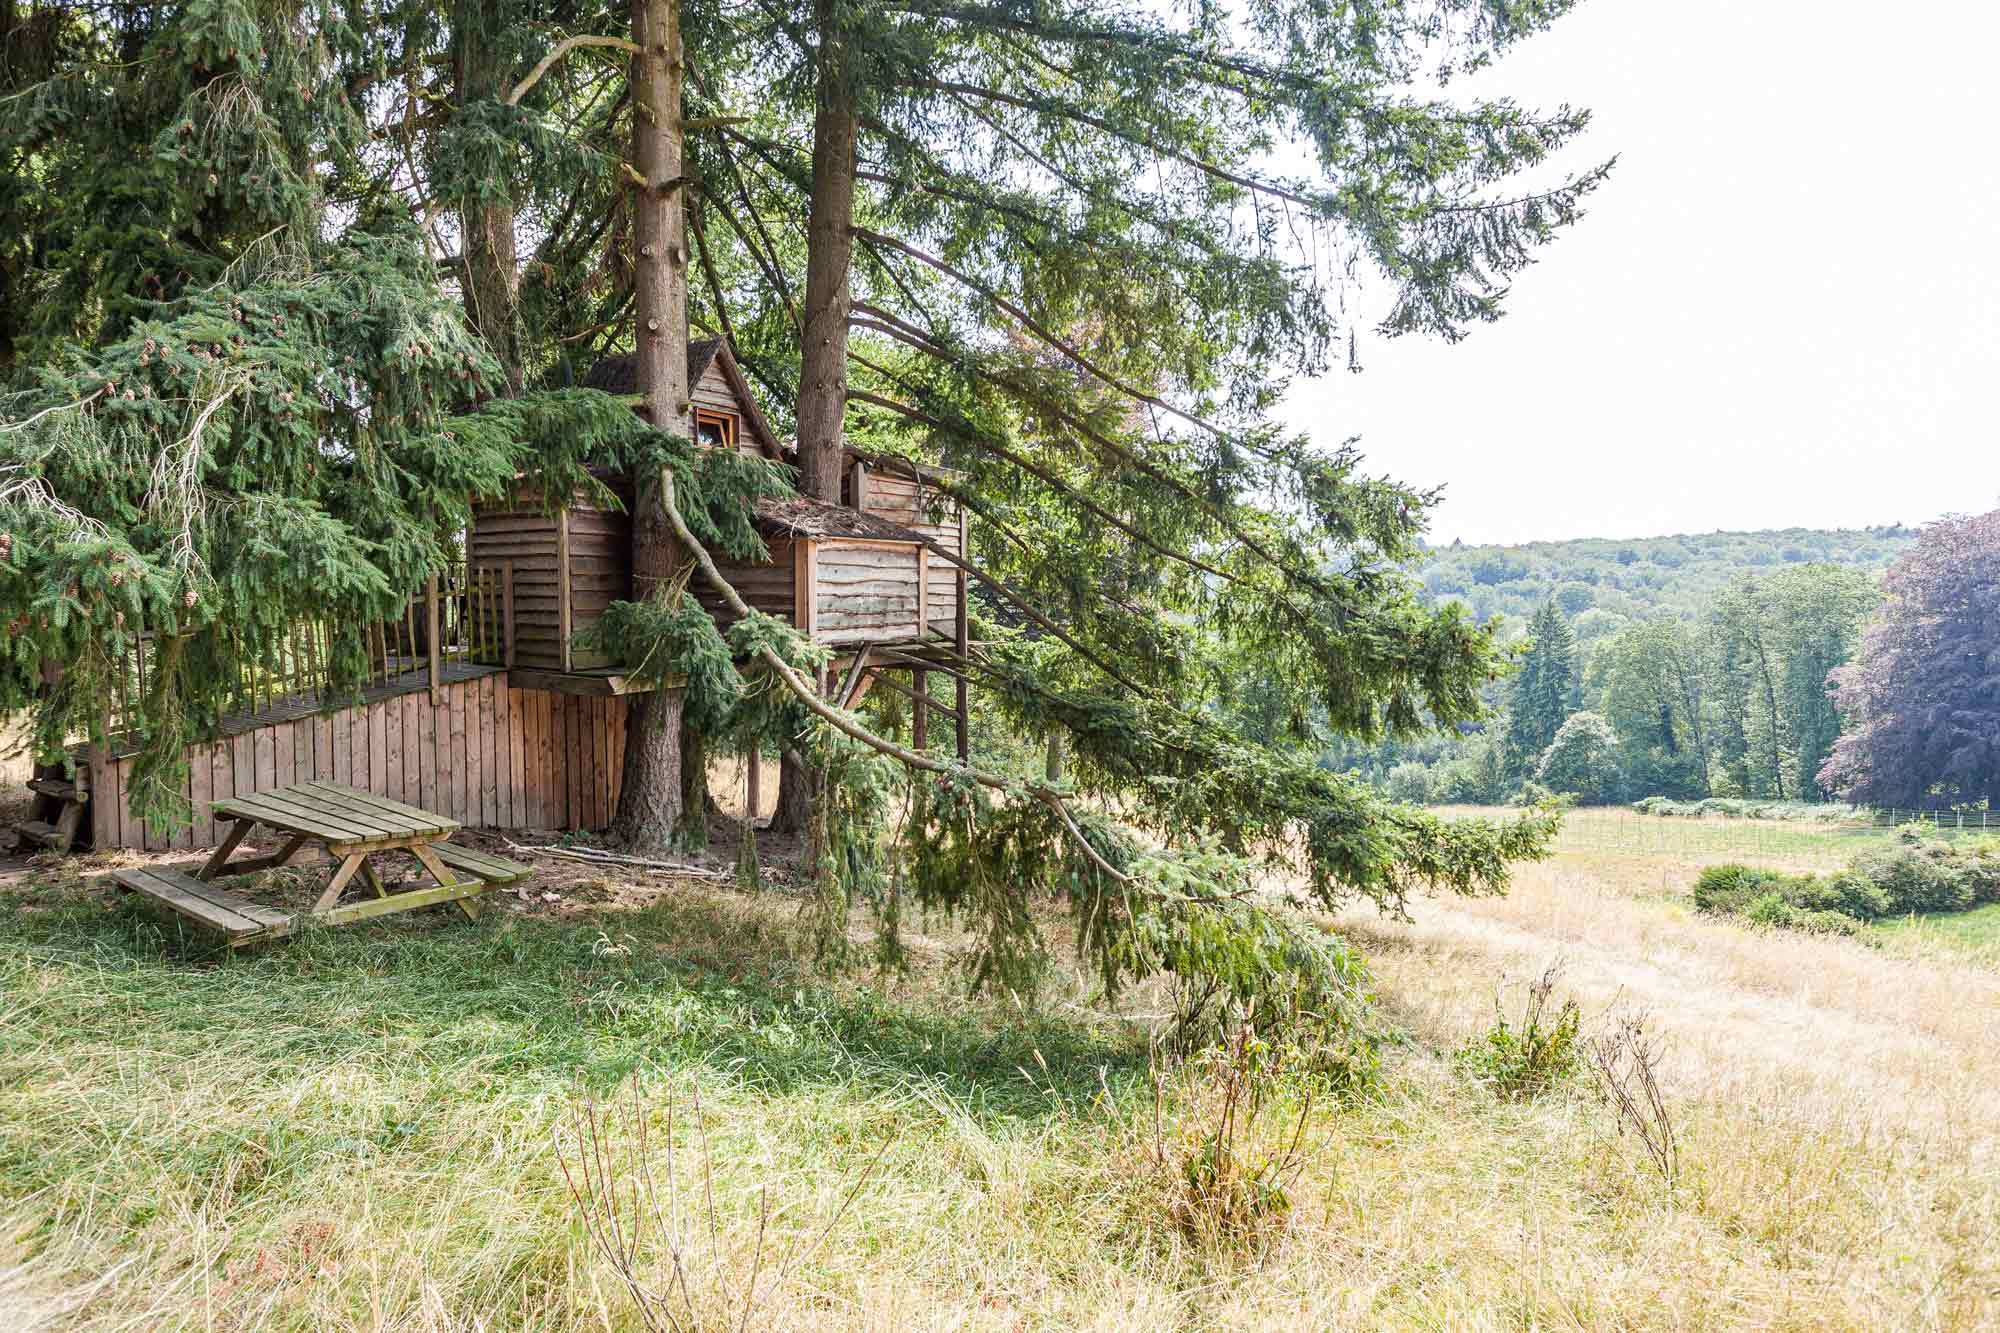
[462, 616]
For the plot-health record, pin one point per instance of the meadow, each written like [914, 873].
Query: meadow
[383, 1127]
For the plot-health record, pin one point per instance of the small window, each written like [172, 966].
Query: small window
[715, 428]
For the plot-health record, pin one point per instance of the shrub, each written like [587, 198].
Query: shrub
[1920, 874]
[1525, 1061]
[1729, 890]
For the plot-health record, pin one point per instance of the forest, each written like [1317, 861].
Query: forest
[1730, 670]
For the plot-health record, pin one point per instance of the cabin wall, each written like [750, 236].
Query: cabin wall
[712, 390]
[486, 754]
[568, 568]
[904, 500]
[600, 573]
[771, 587]
[518, 533]
[866, 591]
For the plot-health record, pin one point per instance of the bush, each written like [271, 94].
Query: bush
[1729, 890]
[1525, 1061]
[1920, 874]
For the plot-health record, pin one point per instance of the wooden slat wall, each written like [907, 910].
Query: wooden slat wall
[712, 391]
[866, 590]
[488, 755]
[767, 587]
[527, 537]
[600, 572]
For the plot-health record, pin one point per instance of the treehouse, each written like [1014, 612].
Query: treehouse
[481, 706]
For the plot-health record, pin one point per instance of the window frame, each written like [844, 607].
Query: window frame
[727, 423]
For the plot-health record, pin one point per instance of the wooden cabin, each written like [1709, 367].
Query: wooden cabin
[482, 708]
[872, 570]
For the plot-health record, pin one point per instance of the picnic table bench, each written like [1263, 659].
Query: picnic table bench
[354, 827]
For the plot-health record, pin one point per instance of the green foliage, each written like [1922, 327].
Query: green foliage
[1544, 692]
[1921, 873]
[1582, 761]
[1526, 1059]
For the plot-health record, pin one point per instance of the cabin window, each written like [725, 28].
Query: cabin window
[715, 428]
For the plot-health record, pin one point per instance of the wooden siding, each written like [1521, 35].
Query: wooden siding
[600, 573]
[712, 391]
[767, 587]
[567, 569]
[529, 540]
[486, 754]
[866, 591]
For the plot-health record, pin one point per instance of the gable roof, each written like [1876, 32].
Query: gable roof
[620, 375]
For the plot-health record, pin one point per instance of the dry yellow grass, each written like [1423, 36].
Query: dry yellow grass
[362, 1132]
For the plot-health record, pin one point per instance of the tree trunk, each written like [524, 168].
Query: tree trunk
[822, 401]
[650, 809]
[829, 255]
[794, 810]
[491, 277]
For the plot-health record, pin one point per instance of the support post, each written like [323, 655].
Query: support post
[963, 642]
[431, 611]
[754, 799]
[920, 710]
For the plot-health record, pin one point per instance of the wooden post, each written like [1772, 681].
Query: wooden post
[507, 613]
[755, 781]
[562, 584]
[805, 585]
[920, 710]
[964, 644]
[431, 596]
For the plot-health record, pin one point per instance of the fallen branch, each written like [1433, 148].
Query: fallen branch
[593, 856]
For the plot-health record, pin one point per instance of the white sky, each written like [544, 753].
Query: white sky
[1782, 309]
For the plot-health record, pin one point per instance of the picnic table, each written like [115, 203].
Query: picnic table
[354, 827]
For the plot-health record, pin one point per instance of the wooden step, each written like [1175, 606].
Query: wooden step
[236, 918]
[479, 865]
[57, 788]
[48, 835]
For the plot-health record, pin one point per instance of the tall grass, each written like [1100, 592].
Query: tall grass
[365, 1129]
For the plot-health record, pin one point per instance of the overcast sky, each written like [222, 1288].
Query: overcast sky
[1782, 309]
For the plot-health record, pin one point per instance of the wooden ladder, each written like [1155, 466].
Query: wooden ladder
[59, 810]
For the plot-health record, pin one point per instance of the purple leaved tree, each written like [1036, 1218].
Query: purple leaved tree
[1922, 700]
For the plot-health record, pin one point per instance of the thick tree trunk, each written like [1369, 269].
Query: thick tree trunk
[650, 809]
[829, 304]
[795, 788]
[491, 277]
[829, 255]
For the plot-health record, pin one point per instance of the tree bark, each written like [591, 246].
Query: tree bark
[650, 809]
[822, 403]
[491, 278]
[829, 256]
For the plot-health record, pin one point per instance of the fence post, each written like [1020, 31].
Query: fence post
[431, 610]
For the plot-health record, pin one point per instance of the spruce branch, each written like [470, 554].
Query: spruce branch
[561, 49]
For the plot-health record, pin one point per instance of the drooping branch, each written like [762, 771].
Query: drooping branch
[561, 49]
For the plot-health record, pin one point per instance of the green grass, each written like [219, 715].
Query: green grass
[405, 1087]
[1975, 934]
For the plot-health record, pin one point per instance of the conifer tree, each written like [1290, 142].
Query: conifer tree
[1544, 693]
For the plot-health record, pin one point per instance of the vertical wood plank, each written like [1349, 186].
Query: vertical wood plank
[531, 759]
[324, 756]
[489, 785]
[117, 802]
[103, 809]
[389, 768]
[579, 810]
[427, 751]
[503, 737]
[201, 791]
[606, 810]
[222, 780]
[406, 708]
[380, 763]
[517, 721]
[280, 771]
[621, 716]
[552, 752]
[342, 771]
[243, 761]
[460, 763]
